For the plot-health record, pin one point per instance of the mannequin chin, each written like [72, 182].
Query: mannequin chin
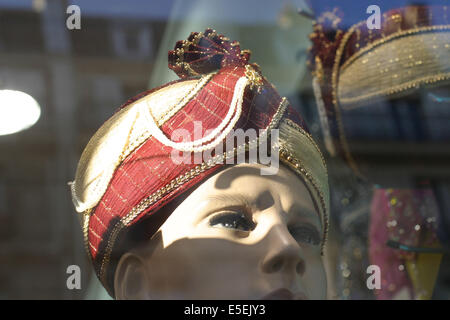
[239, 235]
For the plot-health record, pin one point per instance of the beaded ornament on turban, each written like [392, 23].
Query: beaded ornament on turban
[126, 175]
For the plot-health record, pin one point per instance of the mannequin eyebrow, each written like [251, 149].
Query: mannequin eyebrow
[233, 200]
[224, 202]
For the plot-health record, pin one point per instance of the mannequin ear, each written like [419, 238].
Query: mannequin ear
[131, 278]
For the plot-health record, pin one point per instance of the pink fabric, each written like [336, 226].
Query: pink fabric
[404, 215]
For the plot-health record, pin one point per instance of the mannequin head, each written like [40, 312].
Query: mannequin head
[150, 225]
[239, 235]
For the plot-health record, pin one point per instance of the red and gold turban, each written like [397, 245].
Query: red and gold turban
[355, 66]
[126, 174]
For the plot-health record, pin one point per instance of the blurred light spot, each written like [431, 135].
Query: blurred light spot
[346, 273]
[39, 5]
[18, 111]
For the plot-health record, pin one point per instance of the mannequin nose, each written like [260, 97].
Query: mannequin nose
[284, 253]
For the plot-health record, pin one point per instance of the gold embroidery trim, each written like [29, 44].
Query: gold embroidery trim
[86, 218]
[336, 70]
[299, 167]
[256, 80]
[186, 43]
[189, 175]
[424, 70]
[140, 140]
[409, 85]
[295, 126]
[392, 37]
[334, 75]
[203, 81]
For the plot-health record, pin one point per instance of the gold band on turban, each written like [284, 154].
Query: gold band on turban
[395, 65]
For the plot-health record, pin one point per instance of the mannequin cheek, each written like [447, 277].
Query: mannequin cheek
[170, 274]
[203, 269]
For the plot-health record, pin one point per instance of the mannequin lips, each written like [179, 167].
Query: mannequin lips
[284, 294]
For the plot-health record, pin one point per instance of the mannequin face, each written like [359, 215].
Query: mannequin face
[239, 235]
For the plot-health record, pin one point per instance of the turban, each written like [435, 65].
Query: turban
[358, 71]
[354, 66]
[126, 173]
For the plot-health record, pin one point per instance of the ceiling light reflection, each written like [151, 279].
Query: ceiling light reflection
[18, 111]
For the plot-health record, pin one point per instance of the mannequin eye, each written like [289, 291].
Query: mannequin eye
[306, 234]
[232, 220]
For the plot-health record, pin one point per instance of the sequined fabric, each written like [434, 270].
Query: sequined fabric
[408, 216]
